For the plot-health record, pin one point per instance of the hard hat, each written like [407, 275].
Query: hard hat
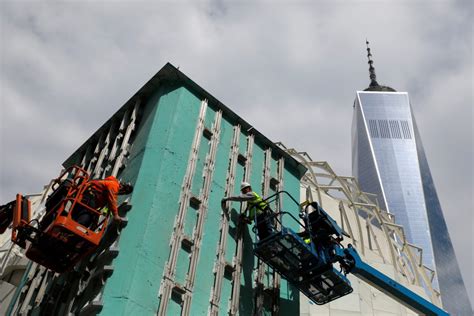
[244, 185]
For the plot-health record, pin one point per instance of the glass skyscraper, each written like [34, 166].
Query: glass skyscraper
[388, 159]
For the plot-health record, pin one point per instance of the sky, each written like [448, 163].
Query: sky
[290, 68]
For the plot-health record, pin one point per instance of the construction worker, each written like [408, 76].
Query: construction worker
[322, 226]
[102, 195]
[255, 205]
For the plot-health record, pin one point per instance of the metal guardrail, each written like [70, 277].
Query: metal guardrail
[277, 217]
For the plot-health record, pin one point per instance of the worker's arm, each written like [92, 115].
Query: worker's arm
[112, 203]
[240, 198]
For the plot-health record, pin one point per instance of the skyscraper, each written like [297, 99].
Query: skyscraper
[388, 159]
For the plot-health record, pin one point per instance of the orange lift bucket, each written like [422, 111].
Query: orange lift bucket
[59, 242]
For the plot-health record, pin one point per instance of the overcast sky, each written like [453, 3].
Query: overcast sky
[290, 68]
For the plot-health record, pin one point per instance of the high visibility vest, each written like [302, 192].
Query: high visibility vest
[256, 204]
[91, 195]
[105, 211]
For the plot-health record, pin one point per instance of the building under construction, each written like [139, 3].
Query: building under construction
[180, 253]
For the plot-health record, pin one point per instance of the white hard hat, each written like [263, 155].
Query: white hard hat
[244, 185]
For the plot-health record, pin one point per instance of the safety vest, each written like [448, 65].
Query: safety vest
[105, 211]
[256, 204]
[92, 195]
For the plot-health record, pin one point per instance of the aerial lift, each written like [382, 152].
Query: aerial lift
[56, 241]
[308, 259]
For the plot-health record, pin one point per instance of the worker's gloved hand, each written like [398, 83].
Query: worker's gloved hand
[223, 201]
[117, 219]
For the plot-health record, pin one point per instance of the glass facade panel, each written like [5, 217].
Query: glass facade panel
[453, 291]
[363, 163]
[392, 164]
[395, 164]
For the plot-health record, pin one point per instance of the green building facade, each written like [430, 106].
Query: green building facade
[180, 253]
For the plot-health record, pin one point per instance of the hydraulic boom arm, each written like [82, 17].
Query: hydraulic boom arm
[307, 260]
[386, 285]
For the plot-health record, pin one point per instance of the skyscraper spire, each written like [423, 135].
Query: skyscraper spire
[373, 81]
[374, 85]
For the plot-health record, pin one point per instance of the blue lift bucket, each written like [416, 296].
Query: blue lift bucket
[300, 264]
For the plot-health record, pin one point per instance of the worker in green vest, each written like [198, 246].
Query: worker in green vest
[258, 210]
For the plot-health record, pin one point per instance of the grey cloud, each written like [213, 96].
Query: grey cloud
[290, 69]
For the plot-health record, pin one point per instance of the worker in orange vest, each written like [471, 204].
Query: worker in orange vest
[102, 195]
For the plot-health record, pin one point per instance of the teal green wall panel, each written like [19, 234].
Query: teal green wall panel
[174, 308]
[246, 302]
[139, 266]
[243, 143]
[161, 120]
[289, 295]
[157, 164]
[234, 214]
[292, 186]
[210, 239]
[249, 261]
[160, 159]
[198, 175]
